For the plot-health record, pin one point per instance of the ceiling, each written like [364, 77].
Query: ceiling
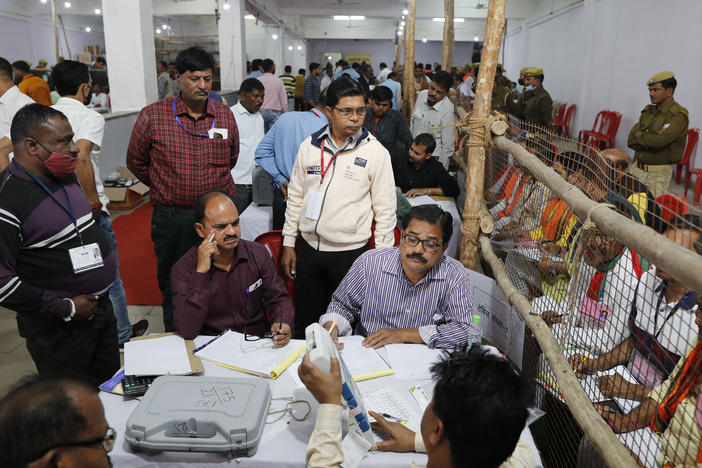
[305, 18]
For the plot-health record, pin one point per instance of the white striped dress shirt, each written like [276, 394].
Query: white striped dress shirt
[376, 294]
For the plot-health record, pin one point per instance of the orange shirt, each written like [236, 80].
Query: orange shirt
[36, 88]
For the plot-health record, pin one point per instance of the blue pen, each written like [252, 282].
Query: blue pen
[209, 342]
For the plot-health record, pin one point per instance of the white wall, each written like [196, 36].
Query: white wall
[29, 38]
[599, 55]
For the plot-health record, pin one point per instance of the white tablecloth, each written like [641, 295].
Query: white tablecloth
[255, 220]
[282, 444]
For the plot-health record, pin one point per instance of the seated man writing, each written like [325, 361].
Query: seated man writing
[475, 418]
[227, 282]
[407, 294]
[662, 323]
[419, 173]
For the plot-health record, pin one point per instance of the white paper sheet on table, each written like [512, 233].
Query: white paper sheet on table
[362, 361]
[157, 356]
[536, 254]
[385, 399]
[589, 384]
[422, 200]
[412, 361]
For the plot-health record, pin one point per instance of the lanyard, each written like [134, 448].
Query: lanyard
[685, 300]
[68, 210]
[315, 113]
[324, 171]
[376, 126]
[214, 119]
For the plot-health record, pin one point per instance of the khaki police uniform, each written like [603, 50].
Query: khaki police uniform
[537, 105]
[658, 139]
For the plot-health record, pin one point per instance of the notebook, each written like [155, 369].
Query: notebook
[363, 363]
[259, 358]
[160, 354]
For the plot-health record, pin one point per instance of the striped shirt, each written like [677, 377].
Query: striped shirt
[35, 236]
[376, 294]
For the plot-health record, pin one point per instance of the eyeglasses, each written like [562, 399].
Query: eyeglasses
[427, 245]
[297, 409]
[270, 334]
[347, 111]
[108, 441]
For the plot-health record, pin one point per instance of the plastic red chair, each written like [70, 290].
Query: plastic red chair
[273, 240]
[693, 134]
[672, 205]
[562, 125]
[698, 184]
[561, 111]
[597, 127]
[371, 241]
[607, 138]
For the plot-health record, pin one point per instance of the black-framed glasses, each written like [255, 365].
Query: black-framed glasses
[270, 334]
[427, 245]
[108, 441]
[348, 111]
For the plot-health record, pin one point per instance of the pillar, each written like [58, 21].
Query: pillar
[273, 46]
[130, 53]
[232, 45]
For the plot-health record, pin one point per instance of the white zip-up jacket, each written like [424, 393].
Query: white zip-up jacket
[335, 212]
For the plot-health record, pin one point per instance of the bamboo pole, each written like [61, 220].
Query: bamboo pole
[476, 154]
[596, 429]
[65, 38]
[53, 20]
[447, 49]
[408, 92]
[677, 261]
[398, 48]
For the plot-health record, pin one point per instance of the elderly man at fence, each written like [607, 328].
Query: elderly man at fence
[387, 125]
[227, 282]
[54, 421]
[662, 323]
[632, 189]
[408, 294]
[476, 417]
[434, 109]
[658, 138]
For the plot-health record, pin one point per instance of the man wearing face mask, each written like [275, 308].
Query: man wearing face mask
[227, 282]
[58, 266]
[74, 84]
[536, 104]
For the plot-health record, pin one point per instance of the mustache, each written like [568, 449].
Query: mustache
[417, 256]
[228, 238]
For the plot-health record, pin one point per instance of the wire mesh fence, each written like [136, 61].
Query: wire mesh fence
[626, 327]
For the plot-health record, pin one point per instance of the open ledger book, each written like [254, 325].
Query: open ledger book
[261, 358]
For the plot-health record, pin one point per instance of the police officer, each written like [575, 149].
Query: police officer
[658, 138]
[537, 105]
[504, 99]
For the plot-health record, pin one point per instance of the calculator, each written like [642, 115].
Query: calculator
[136, 386]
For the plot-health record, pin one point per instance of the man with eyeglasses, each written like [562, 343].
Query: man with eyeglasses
[226, 282]
[54, 421]
[408, 294]
[341, 182]
[434, 109]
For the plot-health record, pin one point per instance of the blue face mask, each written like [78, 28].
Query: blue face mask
[530, 88]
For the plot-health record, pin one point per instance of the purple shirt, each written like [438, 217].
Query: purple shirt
[376, 294]
[209, 303]
[275, 98]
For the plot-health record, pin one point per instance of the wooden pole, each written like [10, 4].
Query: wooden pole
[447, 49]
[476, 154]
[408, 92]
[398, 49]
[597, 430]
[53, 20]
[65, 38]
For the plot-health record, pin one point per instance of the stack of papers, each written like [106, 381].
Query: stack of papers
[412, 361]
[363, 363]
[259, 358]
[156, 356]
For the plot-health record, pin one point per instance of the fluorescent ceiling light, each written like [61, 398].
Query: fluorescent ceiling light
[274, 36]
[299, 47]
[158, 31]
[424, 39]
[399, 33]
[455, 20]
[225, 6]
[67, 4]
[402, 23]
[405, 12]
[251, 17]
[97, 11]
[42, 1]
[348, 18]
[87, 29]
[476, 39]
[289, 47]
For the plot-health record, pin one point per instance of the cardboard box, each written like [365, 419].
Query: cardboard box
[126, 198]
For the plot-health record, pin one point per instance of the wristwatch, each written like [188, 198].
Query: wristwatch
[72, 313]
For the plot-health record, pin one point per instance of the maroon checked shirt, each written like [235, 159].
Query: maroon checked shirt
[177, 162]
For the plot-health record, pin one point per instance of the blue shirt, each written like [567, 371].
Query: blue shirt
[350, 71]
[254, 74]
[395, 88]
[277, 151]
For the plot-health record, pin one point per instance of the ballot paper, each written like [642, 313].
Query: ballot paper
[412, 361]
[386, 399]
[260, 358]
[363, 363]
[158, 356]
[422, 200]
[592, 388]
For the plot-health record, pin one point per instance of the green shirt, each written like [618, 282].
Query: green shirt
[537, 107]
[660, 134]
[504, 100]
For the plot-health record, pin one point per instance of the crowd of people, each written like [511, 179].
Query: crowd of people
[343, 162]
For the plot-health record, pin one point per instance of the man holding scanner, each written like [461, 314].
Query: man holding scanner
[226, 282]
